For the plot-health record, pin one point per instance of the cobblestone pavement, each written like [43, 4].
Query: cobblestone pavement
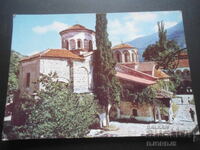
[182, 124]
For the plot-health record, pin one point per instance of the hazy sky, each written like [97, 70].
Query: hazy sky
[34, 33]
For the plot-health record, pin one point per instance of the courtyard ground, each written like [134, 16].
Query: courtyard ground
[182, 124]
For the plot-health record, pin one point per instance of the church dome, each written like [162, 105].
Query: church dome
[76, 27]
[121, 46]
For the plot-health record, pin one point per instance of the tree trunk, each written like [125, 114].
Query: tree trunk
[154, 111]
[118, 112]
[107, 114]
[159, 115]
[170, 112]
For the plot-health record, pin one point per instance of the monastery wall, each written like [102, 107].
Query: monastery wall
[31, 67]
[144, 111]
[60, 66]
[83, 74]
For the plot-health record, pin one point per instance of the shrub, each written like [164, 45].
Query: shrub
[57, 112]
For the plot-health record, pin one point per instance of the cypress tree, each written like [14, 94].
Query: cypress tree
[162, 34]
[107, 86]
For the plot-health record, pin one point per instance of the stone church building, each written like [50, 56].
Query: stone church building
[73, 64]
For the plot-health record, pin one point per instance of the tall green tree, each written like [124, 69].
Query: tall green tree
[13, 74]
[164, 51]
[107, 86]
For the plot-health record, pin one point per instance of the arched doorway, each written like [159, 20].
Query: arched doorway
[134, 112]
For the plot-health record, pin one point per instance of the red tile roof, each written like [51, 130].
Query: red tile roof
[54, 53]
[122, 46]
[76, 27]
[127, 73]
[182, 63]
[133, 78]
[146, 67]
[131, 71]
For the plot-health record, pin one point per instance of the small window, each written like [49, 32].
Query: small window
[28, 79]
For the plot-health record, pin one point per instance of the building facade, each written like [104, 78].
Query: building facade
[73, 64]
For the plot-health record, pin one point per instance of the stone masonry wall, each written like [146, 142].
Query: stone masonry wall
[82, 74]
[60, 66]
[31, 67]
[144, 111]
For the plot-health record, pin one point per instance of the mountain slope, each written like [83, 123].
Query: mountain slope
[174, 33]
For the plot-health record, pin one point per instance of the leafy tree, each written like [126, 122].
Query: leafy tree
[148, 95]
[56, 112]
[13, 73]
[107, 86]
[164, 51]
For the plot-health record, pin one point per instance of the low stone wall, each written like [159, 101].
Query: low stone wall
[141, 112]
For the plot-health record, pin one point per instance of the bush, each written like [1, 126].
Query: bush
[57, 112]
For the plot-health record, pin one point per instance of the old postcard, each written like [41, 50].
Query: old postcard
[99, 75]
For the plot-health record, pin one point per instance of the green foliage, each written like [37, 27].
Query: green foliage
[175, 80]
[164, 52]
[149, 93]
[57, 112]
[107, 86]
[13, 74]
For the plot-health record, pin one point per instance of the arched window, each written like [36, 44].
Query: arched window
[127, 56]
[72, 44]
[133, 57]
[90, 45]
[67, 44]
[118, 57]
[178, 72]
[79, 44]
[86, 44]
[186, 73]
